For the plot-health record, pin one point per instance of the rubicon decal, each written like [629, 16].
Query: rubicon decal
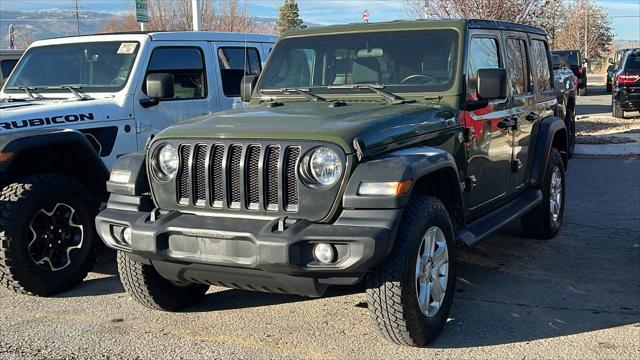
[51, 120]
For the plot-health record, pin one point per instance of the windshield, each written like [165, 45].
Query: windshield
[568, 57]
[92, 67]
[413, 61]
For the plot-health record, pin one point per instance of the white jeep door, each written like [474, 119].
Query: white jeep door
[235, 60]
[190, 64]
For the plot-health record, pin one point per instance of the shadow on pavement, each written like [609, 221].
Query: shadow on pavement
[590, 109]
[233, 299]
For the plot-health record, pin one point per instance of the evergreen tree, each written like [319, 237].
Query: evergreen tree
[289, 16]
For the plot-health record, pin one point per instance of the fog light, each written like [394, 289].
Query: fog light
[126, 235]
[323, 253]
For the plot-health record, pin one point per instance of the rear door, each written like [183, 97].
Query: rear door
[190, 64]
[523, 104]
[235, 60]
[545, 102]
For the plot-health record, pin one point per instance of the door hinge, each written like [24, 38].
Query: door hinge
[142, 127]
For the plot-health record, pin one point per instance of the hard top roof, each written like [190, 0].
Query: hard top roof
[415, 25]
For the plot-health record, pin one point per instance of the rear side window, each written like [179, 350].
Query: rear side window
[235, 63]
[186, 64]
[6, 66]
[541, 64]
[517, 63]
[483, 54]
[633, 62]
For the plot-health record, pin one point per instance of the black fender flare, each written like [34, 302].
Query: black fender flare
[546, 133]
[411, 163]
[12, 145]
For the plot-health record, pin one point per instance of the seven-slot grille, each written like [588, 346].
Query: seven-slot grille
[239, 176]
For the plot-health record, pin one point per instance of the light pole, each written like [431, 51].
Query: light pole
[195, 10]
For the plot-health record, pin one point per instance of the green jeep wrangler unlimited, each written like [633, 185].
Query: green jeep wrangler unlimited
[369, 152]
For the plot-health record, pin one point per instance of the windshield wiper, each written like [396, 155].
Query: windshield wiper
[304, 92]
[26, 89]
[391, 97]
[72, 89]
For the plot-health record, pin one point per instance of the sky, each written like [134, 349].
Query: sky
[624, 14]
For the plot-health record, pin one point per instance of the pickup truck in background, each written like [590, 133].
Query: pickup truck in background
[72, 106]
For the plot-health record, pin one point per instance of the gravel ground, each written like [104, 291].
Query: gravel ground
[596, 125]
[573, 297]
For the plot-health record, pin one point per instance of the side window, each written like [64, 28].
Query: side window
[6, 66]
[483, 54]
[235, 63]
[517, 63]
[541, 63]
[186, 64]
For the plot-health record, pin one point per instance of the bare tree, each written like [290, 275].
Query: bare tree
[590, 18]
[520, 11]
[176, 15]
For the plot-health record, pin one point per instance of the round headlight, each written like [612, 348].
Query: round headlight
[168, 161]
[325, 166]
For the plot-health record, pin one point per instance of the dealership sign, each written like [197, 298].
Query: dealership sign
[142, 13]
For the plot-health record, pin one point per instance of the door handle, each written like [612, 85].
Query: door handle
[508, 123]
[533, 116]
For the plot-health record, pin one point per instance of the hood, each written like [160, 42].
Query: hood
[38, 114]
[375, 124]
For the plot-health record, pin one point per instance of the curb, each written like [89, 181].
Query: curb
[607, 150]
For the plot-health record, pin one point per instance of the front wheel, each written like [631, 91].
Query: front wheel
[544, 221]
[148, 288]
[47, 235]
[410, 293]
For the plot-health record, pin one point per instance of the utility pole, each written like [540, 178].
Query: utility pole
[586, 29]
[425, 9]
[195, 10]
[76, 13]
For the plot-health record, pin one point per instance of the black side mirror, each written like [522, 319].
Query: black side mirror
[159, 86]
[492, 84]
[247, 85]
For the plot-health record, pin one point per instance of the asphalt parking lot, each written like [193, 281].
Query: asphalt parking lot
[576, 296]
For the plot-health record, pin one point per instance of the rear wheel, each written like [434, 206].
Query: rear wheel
[411, 292]
[147, 287]
[47, 234]
[616, 109]
[544, 221]
[582, 91]
[570, 122]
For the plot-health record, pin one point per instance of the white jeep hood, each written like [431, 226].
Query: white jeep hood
[40, 114]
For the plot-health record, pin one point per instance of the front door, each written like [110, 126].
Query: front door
[192, 80]
[489, 147]
[235, 60]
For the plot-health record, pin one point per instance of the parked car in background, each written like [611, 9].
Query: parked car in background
[567, 90]
[611, 70]
[360, 159]
[573, 59]
[8, 59]
[626, 84]
[75, 105]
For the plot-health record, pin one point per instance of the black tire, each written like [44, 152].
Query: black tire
[616, 110]
[582, 91]
[147, 287]
[392, 289]
[609, 87]
[24, 267]
[539, 222]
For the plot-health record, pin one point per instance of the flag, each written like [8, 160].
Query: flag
[12, 37]
[365, 16]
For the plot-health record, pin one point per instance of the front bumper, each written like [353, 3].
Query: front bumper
[256, 254]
